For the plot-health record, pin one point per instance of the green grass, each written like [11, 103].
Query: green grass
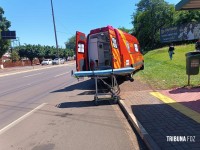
[163, 73]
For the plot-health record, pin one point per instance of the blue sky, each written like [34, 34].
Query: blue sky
[32, 19]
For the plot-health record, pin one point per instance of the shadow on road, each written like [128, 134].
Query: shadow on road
[87, 86]
[79, 104]
[84, 85]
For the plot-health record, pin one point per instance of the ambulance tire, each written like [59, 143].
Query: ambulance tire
[142, 68]
[131, 77]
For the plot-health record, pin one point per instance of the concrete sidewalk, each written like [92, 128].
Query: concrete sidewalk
[168, 119]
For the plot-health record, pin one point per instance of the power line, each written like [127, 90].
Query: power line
[64, 27]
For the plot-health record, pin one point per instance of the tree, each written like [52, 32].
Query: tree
[71, 43]
[21, 51]
[151, 15]
[70, 52]
[126, 30]
[28, 51]
[50, 52]
[14, 56]
[4, 25]
[40, 52]
[186, 16]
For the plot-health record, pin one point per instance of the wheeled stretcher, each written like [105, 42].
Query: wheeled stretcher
[100, 75]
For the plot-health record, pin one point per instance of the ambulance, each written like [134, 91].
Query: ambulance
[107, 48]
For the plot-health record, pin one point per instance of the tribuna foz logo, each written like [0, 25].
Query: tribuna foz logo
[180, 138]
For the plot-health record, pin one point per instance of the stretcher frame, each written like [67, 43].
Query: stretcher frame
[100, 75]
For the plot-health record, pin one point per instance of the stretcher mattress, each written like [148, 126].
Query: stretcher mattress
[121, 71]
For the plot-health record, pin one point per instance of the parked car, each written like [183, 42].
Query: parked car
[47, 62]
[58, 61]
[63, 60]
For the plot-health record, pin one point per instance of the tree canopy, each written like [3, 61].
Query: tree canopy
[4, 25]
[126, 30]
[70, 44]
[41, 52]
[152, 15]
[33, 51]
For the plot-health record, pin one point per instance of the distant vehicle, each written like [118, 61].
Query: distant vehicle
[63, 60]
[58, 61]
[70, 58]
[46, 62]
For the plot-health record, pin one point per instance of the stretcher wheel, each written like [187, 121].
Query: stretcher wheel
[72, 72]
[115, 99]
[96, 100]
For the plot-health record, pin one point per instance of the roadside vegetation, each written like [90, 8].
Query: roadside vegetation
[152, 15]
[163, 73]
[4, 26]
[41, 52]
[31, 51]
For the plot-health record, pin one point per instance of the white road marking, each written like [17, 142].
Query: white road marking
[32, 75]
[20, 119]
[61, 74]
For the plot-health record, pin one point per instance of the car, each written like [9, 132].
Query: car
[58, 61]
[46, 62]
[63, 60]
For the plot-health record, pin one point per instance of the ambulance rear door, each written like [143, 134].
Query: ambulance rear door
[81, 52]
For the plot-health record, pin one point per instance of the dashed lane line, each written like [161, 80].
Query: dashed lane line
[32, 75]
[61, 74]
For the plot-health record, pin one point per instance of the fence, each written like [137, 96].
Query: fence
[20, 63]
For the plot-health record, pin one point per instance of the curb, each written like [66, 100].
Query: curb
[151, 144]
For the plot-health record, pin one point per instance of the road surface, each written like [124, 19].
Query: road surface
[48, 109]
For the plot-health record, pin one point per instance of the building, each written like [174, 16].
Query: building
[188, 5]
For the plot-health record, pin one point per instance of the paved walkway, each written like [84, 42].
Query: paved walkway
[168, 119]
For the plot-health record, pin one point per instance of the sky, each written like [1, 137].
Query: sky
[33, 23]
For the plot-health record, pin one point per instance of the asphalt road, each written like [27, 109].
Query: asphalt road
[48, 109]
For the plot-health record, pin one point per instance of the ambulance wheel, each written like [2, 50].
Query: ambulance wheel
[142, 68]
[131, 77]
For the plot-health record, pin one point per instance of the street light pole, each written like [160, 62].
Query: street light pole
[54, 28]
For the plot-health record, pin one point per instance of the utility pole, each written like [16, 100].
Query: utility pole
[54, 28]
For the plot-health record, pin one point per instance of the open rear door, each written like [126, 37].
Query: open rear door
[81, 52]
